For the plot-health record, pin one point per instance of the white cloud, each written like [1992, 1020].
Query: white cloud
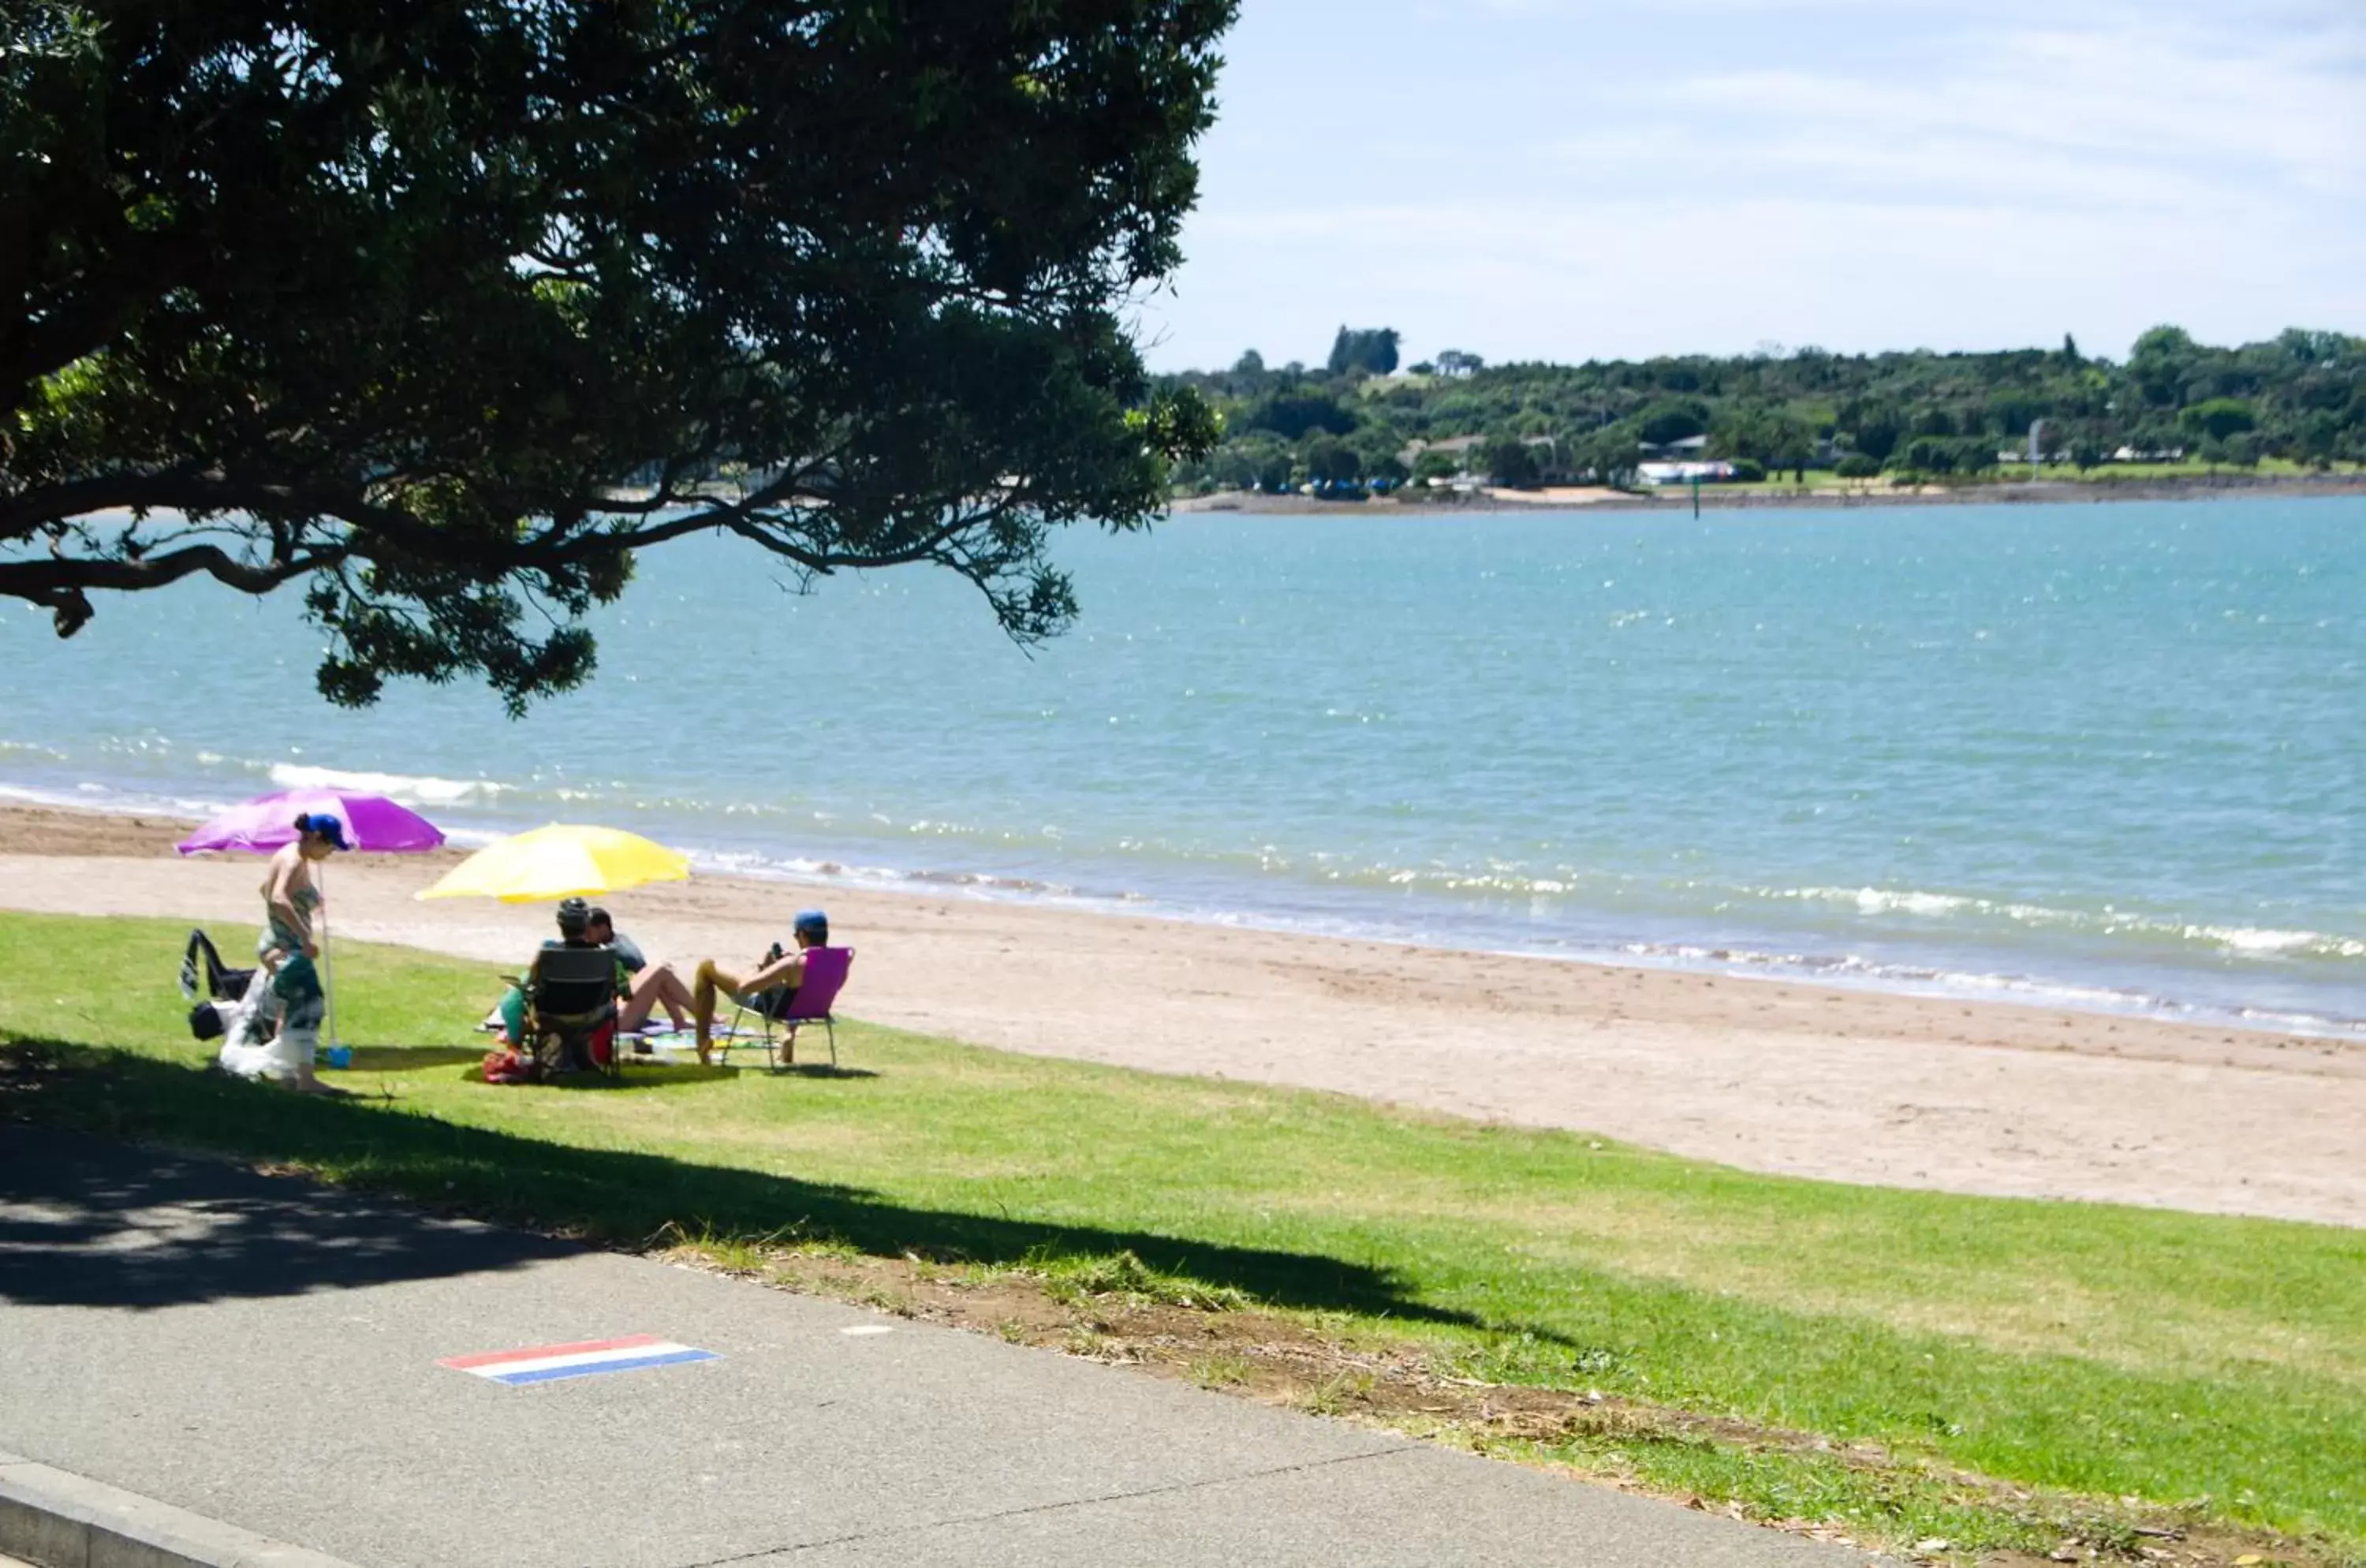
[1800, 172]
[2141, 101]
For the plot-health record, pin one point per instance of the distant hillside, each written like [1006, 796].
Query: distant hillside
[2299, 398]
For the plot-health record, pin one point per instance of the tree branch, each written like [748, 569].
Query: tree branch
[60, 584]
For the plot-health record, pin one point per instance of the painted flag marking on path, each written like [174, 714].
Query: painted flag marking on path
[547, 1363]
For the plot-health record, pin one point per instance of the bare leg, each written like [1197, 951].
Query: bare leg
[655, 987]
[299, 1033]
[702, 1001]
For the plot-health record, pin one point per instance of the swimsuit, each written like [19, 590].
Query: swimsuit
[277, 933]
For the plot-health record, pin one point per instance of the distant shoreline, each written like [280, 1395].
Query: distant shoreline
[1768, 497]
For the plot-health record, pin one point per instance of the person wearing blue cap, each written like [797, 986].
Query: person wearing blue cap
[291, 893]
[768, 990]
[279, 1020]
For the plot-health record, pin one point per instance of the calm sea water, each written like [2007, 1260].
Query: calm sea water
[2108, 756]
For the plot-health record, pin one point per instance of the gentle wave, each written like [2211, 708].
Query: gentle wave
[1967, 912]
[739, 863]
[2246, 941]
[103, 799]
[409, 789]
[2311, 944]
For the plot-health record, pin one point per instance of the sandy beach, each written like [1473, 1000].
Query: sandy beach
[1770, 1076]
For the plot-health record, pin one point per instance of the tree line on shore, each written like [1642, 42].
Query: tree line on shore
[1357, 422]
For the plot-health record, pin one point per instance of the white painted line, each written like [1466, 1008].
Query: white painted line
[869, 1328]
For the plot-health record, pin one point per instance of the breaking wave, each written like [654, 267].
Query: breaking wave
[409, 789]
[2244, 942]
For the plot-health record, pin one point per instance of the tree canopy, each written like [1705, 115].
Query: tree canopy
[447, 307]
[1291, 412]
[1670, 419]
[1371, 351]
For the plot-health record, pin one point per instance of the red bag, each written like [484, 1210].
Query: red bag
[508, 1067]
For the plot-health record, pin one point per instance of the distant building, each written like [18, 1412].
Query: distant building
[1679, 450]
[1682, 473]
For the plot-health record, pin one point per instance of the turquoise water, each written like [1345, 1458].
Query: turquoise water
[2102, 755]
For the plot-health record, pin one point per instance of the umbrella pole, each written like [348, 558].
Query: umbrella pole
[328, 955]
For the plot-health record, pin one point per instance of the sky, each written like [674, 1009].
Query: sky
[1549, 179]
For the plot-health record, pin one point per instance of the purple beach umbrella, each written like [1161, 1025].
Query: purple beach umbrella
[372, 822]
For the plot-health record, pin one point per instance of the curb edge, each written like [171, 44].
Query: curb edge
[57, 1519]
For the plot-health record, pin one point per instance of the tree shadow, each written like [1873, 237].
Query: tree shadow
[636, 1076]
[87, 1221]
[408, 1058]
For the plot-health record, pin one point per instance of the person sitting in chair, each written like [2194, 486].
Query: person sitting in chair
[768, 990]
[651, 985]
[574, 930]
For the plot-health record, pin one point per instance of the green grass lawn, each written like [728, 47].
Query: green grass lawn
[1824, 480]
[2194, 469]
[2179, 1358]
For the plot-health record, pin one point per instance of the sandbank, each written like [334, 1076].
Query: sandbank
[1770, 1076]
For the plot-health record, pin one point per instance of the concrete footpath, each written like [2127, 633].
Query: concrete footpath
[265, 1353]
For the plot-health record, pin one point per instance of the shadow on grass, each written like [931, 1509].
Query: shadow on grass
[636, 1076]
[643, 1072]
[102, 1224]
[408, 1058]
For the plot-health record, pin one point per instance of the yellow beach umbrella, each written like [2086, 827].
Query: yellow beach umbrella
[561, 861]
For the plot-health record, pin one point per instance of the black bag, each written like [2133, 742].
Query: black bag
[222, 985]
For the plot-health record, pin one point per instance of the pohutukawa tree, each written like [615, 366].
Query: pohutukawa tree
[446, 308]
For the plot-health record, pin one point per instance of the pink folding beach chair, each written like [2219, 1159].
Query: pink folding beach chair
[816, 993]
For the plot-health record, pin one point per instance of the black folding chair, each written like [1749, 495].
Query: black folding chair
[209, 982]
[569, 993]
[203, 973]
